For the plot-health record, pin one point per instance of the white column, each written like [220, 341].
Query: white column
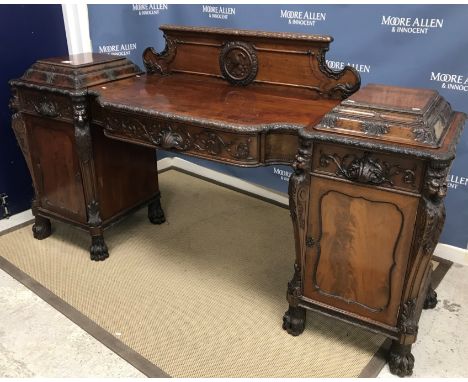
[76, 21]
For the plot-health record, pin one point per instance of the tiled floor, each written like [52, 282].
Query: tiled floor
[38, 341]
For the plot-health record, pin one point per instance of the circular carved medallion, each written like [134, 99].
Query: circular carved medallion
[238, 63]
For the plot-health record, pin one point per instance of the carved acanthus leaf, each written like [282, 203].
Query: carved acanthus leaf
[174, 137]
[366, 169]
[407, 321]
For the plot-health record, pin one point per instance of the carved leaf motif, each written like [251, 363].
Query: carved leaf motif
[174, 137]
[365, 169]
[407, 321]
[374, 128]
[424, 135]
[47, 109]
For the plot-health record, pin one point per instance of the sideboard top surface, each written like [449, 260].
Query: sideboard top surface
[214, 100]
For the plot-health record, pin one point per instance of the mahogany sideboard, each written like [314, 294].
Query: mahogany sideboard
[370, 164]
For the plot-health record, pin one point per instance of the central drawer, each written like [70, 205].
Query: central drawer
[238, 148]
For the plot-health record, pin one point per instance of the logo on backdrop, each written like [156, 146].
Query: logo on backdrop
[218, 12]
[149, 9]
[450, 81]
[283, 174]
[118, 49]
[456, 181]
[413, 25]
[303, 18]
[339, 65]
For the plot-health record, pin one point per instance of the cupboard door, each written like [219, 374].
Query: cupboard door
[56, 168]
[361, 241]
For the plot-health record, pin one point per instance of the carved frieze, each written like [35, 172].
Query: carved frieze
[172, 136]
[367, 169]
[48, 105]
[238, 62]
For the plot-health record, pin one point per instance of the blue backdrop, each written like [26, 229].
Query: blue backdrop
[405, 45]
[27, 33]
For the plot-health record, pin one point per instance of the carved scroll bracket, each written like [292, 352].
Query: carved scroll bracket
[159, 62]
[341, 90]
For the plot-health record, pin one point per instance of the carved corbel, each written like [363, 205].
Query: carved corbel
[84, 149]
[434, 192]
[298, 200]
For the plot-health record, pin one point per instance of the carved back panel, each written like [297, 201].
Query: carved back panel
[243, 57]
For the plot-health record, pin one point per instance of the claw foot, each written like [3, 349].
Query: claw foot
[400, 360]
[98, 249]
[294, 320]
[41, 228]
[155, 212]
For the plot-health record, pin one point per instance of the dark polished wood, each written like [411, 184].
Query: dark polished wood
[370, 164]
[79, 176]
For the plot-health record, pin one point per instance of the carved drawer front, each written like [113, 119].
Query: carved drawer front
[190, 139]
[358, 245]
[366, 167]
[45, 104]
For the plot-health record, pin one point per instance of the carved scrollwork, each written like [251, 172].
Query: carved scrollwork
[159, 62]
[48, 105]
[329, 121]
[299, 184]
[238, 62]
[424, 135]
[407, 321]
[366, 169]
[295, 285]
[168, 139]
[340, 90]
[47, 108]
[374, 128]
[174, 137]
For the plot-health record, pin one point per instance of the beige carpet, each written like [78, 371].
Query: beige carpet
[202, 295]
